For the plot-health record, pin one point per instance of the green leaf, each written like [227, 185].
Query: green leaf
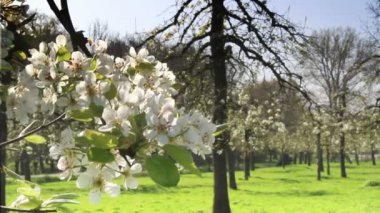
[98, 139]
[220, 129]
[5, 66]
[112, 92]
[60, 201]
[93, 64]
[32, 204]
[139, 121]
[96, 110]
[64, 209]
[100, 155]
[182, 156]
[28, 191]
[162, 170]
[21, 54]
[131, 71]
[63, 54]
[65, 196]
[145, 67]
[84, 115]
[36, 139]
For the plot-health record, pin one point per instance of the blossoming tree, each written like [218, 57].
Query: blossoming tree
[122, 116]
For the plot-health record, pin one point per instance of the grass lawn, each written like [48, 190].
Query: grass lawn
[272, 189]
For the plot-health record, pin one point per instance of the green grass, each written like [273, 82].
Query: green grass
[273, 189]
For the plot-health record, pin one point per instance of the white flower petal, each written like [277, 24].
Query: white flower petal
[106, 128]
[112, 189]
[143, 53]
[136, 168]
[130, 183]
[162, 139]
[95, 196]
[132, 52]
[109, 114]
[84, 181]
[61, 40]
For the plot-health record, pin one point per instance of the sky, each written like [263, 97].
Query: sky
[130, 16]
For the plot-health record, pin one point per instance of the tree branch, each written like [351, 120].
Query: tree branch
[43, 126]
[63, 15]
[26, 210]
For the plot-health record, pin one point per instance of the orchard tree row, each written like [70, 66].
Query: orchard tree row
[102, 107]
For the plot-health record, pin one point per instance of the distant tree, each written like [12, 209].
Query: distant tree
[337, 61]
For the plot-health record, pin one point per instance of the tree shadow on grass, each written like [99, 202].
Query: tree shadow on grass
[288, 180]
[295, 193]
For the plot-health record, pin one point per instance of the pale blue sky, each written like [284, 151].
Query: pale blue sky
[142, 15]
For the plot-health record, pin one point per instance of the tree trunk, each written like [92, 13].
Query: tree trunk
[322, 165]
[218, 57]
[357, 157]
[35, 167]
[231, 158]
[308, 158]
[305, 157]
[319, 156]
[295, 158]
[342, 139]
[25, 164]
[328, 159]
[283, 158]
[3, 137]
[247, 166]
[42, 167]
[17, 166]
[300, 158]
[270, 156]
[342, 155]
[373, 154]
[253, 167]
[52, 166]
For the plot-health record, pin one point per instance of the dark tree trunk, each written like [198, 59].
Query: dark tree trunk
[270, 156]
[52, 166]
[253, 167]
[348, 158]
[25, 164]
[295, 158]
[35, 167]
[3, 137]
[282, 158]
[373, 154]
[342, 158]
[305, 157]
[17, 166]
[319, 156]
[342, 139]
[308, 158]
[42, 166]
[357, 157]
[328, 159]
[300, 158]
[218, 57]
[231, 158]
[322, 165]
[247, 166]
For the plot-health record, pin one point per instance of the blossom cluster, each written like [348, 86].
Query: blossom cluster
[251, 124]
[124, 103]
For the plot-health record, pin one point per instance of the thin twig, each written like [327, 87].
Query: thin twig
[26, 210]
[43, 126]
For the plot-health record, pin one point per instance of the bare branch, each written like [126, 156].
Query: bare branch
[26, 210]
[43, 126]
[63, 15]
